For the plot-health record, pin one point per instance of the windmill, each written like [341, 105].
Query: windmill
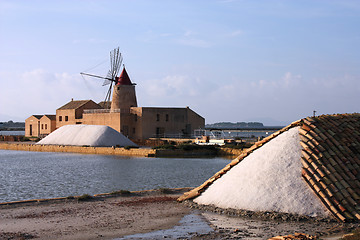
[112, 75]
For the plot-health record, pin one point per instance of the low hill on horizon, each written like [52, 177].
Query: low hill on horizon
[235, 125]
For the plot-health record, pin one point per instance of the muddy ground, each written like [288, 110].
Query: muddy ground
[123, 214]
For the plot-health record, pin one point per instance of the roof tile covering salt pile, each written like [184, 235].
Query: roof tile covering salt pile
[330, 160]
[87, 135]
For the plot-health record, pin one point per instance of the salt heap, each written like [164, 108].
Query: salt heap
[311, 167]
[269, 179]
[87, 135]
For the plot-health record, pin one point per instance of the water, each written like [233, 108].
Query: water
[189, 224]
[8, 133]
[31, 175]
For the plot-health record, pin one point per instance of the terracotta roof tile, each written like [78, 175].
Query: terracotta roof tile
[74, 104]
[338, 136]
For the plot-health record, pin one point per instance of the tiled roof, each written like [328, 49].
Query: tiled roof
[330, 160]
[105, 104]
[74, 104]
[51, 117]
[37, 116]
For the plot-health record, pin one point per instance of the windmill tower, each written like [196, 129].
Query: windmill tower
[124, 95]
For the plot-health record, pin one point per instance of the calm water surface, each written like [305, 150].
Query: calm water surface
[30, 175]
[7, 133]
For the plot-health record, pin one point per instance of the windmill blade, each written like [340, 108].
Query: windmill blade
[107, 80]
[108, 94]
[115, 62]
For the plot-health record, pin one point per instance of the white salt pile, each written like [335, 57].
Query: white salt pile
[87, 135]
[269, 179]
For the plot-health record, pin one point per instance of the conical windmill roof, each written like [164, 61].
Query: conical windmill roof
[124, 78]
[310, 167]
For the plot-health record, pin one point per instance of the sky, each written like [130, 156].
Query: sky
[269, 61]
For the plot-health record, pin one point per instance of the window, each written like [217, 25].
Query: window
[60, 118]
[133, 130]
[45, 126]
[66, 118]
[42, 126]
[167, 117]
[136, 117]
[157, 117]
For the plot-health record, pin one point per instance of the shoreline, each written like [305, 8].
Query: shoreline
[98, 197]
[123, 213]
[136, 152]
[104, 216]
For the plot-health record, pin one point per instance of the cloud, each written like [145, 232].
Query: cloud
[236, 33]
[39, 92]
[193, 42]
[190, 38]
[171, 90]
[89, 40]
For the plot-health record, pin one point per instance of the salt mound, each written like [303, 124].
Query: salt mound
[269, 179]
[90, 135]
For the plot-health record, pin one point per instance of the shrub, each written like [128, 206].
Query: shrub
[85, 197]
[166, 146]
[121, 192]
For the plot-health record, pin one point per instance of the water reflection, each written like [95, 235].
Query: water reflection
[29, 175]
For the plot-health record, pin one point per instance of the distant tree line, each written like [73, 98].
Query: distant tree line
[10, 125]
[229, 125]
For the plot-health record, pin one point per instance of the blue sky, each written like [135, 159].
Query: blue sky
[272, 61]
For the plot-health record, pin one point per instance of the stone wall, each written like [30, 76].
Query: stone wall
[230, 151]
[141, 152]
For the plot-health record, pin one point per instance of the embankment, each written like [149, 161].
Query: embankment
[138, 152]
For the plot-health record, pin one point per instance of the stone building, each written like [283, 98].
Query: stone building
[40, 125]
[72, 112]
[123, 115]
